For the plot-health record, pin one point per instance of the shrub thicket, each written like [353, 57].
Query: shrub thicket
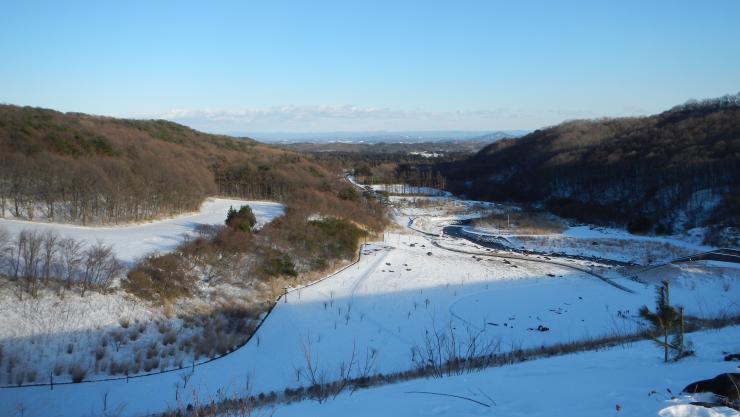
[162, 278]
[273, 263]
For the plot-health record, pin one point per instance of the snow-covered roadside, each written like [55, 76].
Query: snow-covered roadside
[133, 241]
[577, 385]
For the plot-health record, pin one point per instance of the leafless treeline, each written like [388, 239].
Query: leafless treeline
[410, 176]
[97, 190]
[33, 260]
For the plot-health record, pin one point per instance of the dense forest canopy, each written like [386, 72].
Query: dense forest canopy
[666, 172]
[73, 167]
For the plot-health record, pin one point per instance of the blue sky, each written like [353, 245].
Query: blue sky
[309, 66]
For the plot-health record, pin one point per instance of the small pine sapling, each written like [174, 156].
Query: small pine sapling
[667, 322]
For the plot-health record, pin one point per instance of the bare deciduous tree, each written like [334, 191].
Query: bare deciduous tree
[30, 253]
[101, 267]
[70, 260]
[49, 254]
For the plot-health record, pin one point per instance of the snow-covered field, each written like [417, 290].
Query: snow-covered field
[605, 243]
[432, 214]
[578, 385]
[133, 241]
[385, 305]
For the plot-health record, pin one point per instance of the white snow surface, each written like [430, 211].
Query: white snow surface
[601, 242]
[385, 303]
[132, 241]
[590, 232]
[577, 385]
[404, 286]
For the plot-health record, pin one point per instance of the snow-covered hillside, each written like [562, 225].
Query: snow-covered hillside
[61, 332]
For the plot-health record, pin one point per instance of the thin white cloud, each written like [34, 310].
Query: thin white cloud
[318, 118]
[330, 112]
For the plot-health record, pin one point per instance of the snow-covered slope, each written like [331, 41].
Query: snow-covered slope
[404, 287]
[132, 241]
[383, 306]
[578, 385]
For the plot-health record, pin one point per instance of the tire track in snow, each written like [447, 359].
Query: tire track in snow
[360, 281]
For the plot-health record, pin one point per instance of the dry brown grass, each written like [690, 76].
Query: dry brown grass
[524, 222]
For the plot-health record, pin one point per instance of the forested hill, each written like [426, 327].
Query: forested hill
[665, 172]
[88, 169]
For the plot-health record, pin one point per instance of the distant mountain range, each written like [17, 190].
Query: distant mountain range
[383, 136]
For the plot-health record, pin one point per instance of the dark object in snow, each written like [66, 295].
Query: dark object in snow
[540, 328]
[450, 395]
[732, 357]
[429, 253]
[388, 263]
[551, 275]
[492, 323]
[724, 385]
[705, 404]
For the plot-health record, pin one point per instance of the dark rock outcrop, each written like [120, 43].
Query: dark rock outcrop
[725, 385]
